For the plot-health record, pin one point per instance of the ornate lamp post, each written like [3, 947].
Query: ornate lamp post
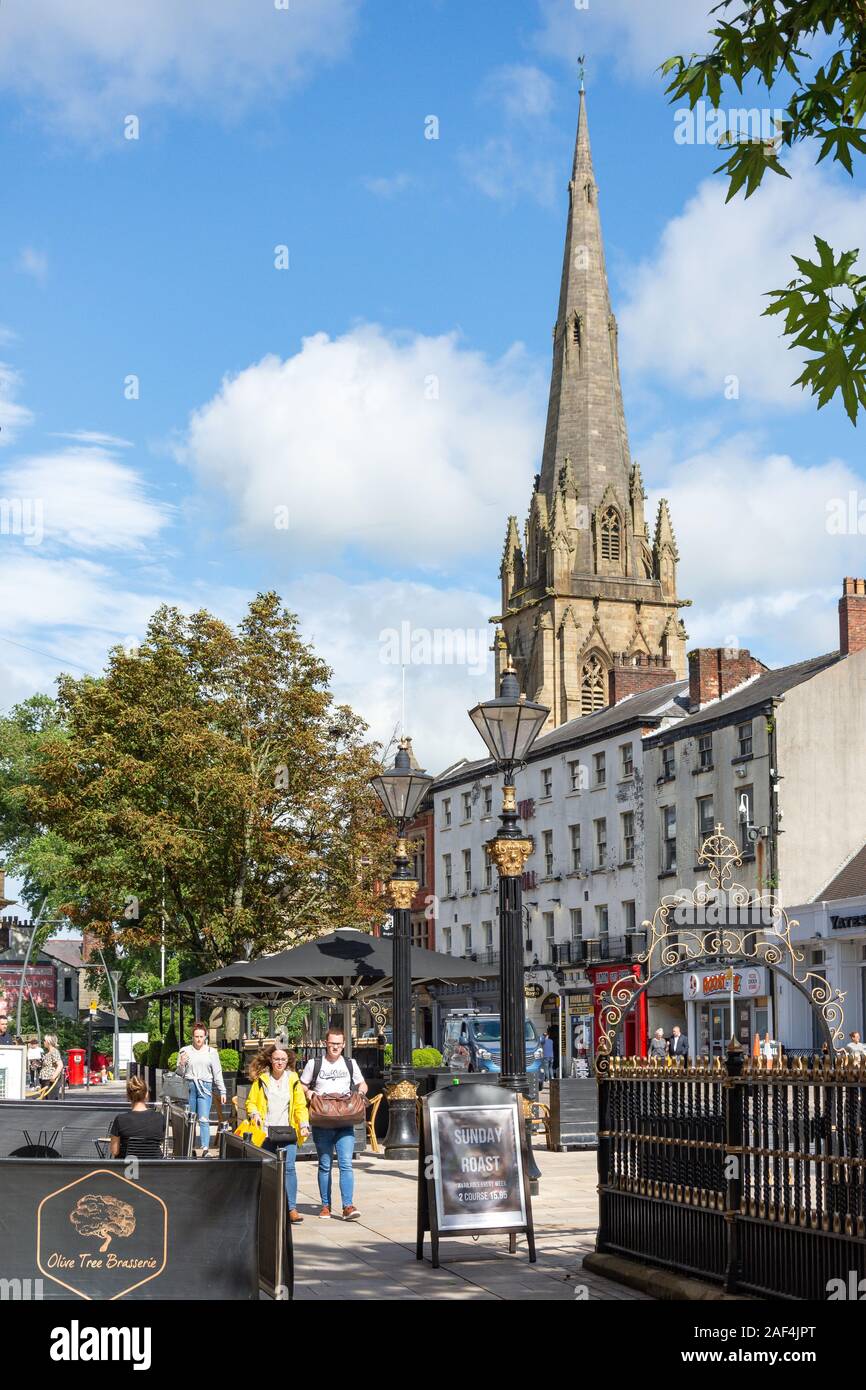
[401, 791]
[509, 726]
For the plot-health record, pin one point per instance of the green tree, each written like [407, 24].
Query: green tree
[824, 306]
[40, 857]
[210, 770]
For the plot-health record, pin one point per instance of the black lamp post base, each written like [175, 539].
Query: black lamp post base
[401, 1141]
[520, 1085]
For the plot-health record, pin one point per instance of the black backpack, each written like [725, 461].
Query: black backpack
[317, 1067]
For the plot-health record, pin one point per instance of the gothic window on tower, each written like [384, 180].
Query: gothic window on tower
[610, 536]
[592, 686]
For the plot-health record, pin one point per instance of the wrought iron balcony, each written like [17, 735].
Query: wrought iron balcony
[591, 950]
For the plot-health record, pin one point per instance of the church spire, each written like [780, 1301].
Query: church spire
[589, 579]
[585, 419]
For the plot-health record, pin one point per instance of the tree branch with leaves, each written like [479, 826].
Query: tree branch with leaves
[824, 306]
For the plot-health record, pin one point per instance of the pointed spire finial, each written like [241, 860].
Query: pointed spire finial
[581, 68]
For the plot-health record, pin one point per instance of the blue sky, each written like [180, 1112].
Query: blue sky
[387, 389]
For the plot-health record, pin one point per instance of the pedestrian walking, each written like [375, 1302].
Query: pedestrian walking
[51, 1068]
[277, 1102]
[138, 1132]
[658, 1045]
[548, 1057]
[679, 1044]
[34, 1060]
[199, 1064]
[6, 1038]
[855, 1048]
[328, 1079]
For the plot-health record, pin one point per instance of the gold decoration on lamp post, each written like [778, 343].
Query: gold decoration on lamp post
[402, 891]
[509, 856]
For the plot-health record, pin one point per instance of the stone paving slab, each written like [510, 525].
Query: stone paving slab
[374, 1258]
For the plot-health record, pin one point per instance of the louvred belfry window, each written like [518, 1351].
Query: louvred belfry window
[592, 686]
[610, 535]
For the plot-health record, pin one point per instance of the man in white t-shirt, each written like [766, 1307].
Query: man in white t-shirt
[334, 1076]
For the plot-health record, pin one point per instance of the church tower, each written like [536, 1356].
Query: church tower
[586, 588]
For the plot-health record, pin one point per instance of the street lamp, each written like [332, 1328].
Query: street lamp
[509, 726]
[401, 791]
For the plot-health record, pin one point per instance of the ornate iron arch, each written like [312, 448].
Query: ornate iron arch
[720, 921]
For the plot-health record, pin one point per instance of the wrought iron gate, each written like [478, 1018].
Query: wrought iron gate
[743, 1174]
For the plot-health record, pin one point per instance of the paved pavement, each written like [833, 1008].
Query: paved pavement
[374, 1258]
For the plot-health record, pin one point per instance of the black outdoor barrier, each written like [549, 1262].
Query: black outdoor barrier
[63, 1129]
[573, 1113]
[176, 1230]
[274, 1244]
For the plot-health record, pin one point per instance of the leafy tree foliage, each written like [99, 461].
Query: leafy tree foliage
[824, 306]
[208, 782]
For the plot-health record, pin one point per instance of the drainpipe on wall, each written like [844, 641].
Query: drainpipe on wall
[773, 779]
[772, 847]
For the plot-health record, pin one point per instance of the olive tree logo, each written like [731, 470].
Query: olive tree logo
[102, 1217]
[101, 1235]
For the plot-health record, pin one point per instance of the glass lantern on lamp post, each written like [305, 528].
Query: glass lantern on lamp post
[509, 725]
[401, 791]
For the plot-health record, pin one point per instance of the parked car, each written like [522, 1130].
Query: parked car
[472, 1041]
[374, 1033]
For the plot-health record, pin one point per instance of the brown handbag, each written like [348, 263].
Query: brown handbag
[336, 1112]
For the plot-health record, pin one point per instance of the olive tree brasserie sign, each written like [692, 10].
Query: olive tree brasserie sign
[472, 1166]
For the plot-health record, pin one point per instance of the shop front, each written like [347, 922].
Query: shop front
[632, 1037]
[714, 1012]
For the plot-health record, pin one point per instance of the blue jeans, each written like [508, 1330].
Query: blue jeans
[291, 1152]
[326, 1141]
[200, 1095]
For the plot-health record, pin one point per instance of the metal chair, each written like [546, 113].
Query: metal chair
[371, 1123]
[541, 1119]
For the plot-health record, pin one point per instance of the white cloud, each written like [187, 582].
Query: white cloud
[637, 34]
[710, 273]
[761, 554]
[521, 90]
[111, 441]
[404, 448]
[502, 169]
[64, 613]
[353, 627]
[34, 263]
[87, 500]
[89, 65]
[13, 417]
[388, 186]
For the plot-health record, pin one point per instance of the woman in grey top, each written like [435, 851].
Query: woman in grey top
[199, 1064]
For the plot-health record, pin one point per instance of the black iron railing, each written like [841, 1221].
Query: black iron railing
[750, 1176]
[584, 951]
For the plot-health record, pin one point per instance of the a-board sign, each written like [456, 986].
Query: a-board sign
[472, 1176]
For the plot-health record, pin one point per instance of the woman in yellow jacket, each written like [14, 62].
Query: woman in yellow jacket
[276, 1101]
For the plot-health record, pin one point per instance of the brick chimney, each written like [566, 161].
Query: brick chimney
[716, 671]
[852, 616]
[629, 675]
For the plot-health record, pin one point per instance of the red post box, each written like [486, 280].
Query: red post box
[75, 1065]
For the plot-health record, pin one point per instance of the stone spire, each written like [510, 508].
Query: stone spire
[585, 418]
[588, 582]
